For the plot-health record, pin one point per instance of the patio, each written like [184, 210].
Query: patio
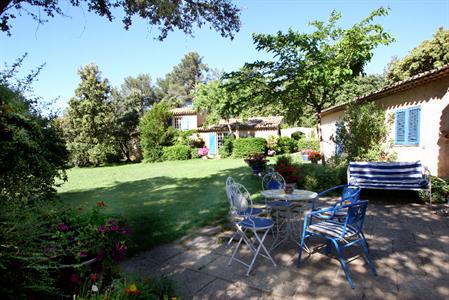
[409, 244]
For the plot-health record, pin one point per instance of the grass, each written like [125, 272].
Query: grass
[161, 201]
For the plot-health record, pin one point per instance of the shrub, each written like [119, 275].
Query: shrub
[155, 132]
[247, 146]
[32, 152]
[297, 135]
[176, 152]
[440, 190]
[321, 177]
[361, 134]
[311, 144]
[44, 243]
[228, 146]
[272, 145]
[202, 151]
[287, 145]
[194, 153]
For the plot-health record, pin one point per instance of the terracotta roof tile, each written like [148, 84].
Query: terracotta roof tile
[399, 86]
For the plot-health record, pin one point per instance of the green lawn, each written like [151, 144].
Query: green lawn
[162, 201]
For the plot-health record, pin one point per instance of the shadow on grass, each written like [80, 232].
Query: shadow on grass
[161, 209]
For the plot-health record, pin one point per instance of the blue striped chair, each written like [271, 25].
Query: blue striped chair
[339, 234]
[349, 194]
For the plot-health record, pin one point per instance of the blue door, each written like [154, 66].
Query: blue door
[212, 143]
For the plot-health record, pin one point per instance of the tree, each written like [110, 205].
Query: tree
[221, 15]
[129, 103]
[88, 123]
[429, 55]
[220, 99]
[308, 69]
[359, 86]
[155, 132]
[179, 85]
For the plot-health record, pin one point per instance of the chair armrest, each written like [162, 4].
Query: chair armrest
[331, 189]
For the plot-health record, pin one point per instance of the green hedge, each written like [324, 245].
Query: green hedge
[440, 191]
[287, 145]
[316, 177]
[308, 144]
[176, 152]
[247, 146]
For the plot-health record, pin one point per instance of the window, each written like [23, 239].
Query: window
[407, 126]
[178, 122]
[220, 138]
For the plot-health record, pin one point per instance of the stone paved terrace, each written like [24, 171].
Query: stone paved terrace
[408, 242]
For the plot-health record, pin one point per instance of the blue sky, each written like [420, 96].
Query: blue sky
[67, 43]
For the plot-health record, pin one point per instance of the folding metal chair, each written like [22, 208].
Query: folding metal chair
[259, 227]
[340, 234]
[253, 211]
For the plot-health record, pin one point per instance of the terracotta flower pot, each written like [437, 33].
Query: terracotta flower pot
[289, 188]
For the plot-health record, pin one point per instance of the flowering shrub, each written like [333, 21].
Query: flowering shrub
[49, 250]
[203, 151]
[256, 160]
[314, 156]
[287, 169]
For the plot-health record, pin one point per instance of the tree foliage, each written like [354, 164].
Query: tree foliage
[362, 133]
[89, 122]
[178, 86]
[359, 86]
[227, 98]
[32, 153]
[155, 132]
[429, 55]
[129, 103]
[166, 15]
[308, 69]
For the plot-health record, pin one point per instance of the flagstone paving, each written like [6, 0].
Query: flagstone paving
[408, 242]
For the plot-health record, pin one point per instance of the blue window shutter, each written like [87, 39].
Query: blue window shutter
[413, 125]
[400, 127]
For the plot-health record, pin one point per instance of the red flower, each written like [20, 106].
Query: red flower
[101, 204]
[93, 277]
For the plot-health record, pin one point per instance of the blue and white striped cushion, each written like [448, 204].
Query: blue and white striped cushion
[391, 175]
[332, 229]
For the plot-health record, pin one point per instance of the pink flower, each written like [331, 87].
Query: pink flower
[101, 228]
[83, 254]
[63, 227]
[113, 227]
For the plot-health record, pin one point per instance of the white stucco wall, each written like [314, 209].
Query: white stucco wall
[433, 99]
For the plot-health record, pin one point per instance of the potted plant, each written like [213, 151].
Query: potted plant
[305, 154]
[314, 156]
[257, 162]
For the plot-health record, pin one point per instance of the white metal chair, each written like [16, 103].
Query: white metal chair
[274, 181]
[258, 226]
[253, 211]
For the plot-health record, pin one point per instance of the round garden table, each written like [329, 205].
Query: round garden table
[296, 202]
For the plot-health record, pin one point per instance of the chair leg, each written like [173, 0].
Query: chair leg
[235, 250]
[368, 257]
[261, 245]
[328, 248]
[343, 263]
[301, 247]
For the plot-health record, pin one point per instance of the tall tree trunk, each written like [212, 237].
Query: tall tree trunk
[320, 134]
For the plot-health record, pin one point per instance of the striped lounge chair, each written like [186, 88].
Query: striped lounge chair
[390, 176]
